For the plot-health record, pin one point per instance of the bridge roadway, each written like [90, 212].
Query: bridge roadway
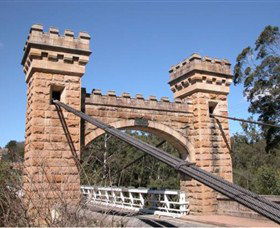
[127, 218]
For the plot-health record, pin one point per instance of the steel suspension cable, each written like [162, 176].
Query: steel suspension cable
[251, 200]
[134, 161]
[245, 121]
[137, 159]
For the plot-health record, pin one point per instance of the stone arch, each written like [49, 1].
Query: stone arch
[174, 137]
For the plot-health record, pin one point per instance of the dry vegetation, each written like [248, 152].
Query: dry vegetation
[15, 207]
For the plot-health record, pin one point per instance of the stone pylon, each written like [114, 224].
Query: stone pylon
[53, 65]
[204, 83]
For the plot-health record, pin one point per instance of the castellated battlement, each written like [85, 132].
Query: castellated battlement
[53, 38]
[56, 53]
[198, 73]
[137, 102]
[196, 62]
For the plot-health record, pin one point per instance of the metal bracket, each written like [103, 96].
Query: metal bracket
[179, 165]
[141, 122]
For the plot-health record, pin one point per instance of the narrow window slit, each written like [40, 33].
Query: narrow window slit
[56, 95]
[56, 92]
[212, 106]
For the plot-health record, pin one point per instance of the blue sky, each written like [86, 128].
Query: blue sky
[133, 42]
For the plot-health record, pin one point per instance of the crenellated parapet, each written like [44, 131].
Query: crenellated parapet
[198, 73]
[52, 52]
[137, 102]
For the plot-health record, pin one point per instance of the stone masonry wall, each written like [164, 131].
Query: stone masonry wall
[50, 168]
[54, 65]
[174, 117]
[211, 150]
[204, 83]
[228, 206]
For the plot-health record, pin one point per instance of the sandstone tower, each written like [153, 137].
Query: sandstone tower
[204, 83]
[53, 65]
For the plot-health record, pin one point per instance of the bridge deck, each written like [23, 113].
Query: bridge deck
[130, 218]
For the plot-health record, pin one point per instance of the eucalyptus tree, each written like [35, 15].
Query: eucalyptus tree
[258, 69]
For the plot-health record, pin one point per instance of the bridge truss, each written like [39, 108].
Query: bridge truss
[159, 202]
[243, 196]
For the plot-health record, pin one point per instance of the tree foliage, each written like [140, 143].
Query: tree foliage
[12, 210]
[253, 168]
[104, 163]
[258, 68]
[15, 151]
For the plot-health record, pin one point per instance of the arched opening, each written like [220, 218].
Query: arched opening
[179, 141]
[111, 162]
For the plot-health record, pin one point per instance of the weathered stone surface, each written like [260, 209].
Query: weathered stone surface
[200, 85]
[205, 82]
[227, 206]
[56, 64]
[200, 74]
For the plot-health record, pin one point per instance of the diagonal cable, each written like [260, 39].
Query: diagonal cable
[243, 196]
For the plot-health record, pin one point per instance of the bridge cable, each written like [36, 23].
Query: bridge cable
[246, 121]
[243, 196]
[137, 159]
[129, 164]
[134, 161]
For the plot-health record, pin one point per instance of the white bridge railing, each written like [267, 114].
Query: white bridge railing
[162, 202]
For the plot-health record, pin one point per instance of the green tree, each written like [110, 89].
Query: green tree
[253, 168]
[12, 210]
[15, 151]
[268, 180]
[258, 68]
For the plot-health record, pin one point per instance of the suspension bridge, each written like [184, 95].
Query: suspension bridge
[249, 199]
[62, 118]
